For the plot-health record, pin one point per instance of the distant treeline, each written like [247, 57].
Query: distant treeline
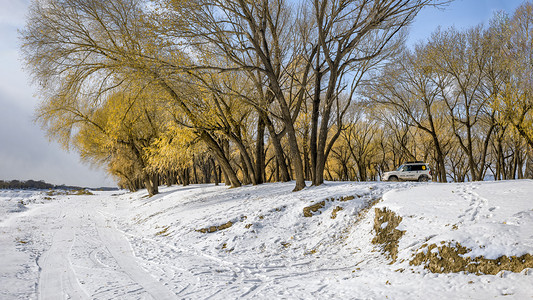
[40, 185]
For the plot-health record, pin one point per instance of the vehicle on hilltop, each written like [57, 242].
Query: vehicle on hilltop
[409, 171]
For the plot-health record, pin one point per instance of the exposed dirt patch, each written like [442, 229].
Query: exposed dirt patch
[311, 252]
[82, 192]
[164, 232]
[314, 209]
[55, 193]
[309, 210]
[450, 259]
[211, 229]
[335, 211]
[385, 223]
[347, 198]
[69, 192]
[226, 225]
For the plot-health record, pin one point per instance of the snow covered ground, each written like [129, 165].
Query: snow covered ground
[255, 242]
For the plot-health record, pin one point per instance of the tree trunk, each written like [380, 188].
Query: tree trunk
[321, 145]
[441, 166]
[307, 163]
[185, 178]
[155, 183]
[150, 185]
[215, 171]
[221, 158]
[291, 133]
[206, 168]
[278, 150]
[260, 152]
[481, 171]
[314, 122]
[500, 159]
[245, 174]
[529, 163]
[247, 167]
[195, 175]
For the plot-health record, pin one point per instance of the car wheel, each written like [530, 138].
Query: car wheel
[423, 178]
[393, 178]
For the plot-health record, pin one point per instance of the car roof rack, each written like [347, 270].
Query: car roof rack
[414, 162]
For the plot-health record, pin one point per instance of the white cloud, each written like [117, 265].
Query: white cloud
[25, 153]
[14, 83]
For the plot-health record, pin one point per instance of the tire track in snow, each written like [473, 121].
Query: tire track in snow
[57, 279]
[195, 270]
[121, 250]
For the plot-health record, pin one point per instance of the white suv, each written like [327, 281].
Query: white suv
[413, 171]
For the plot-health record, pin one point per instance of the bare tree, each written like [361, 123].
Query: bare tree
[407, 85]
[460, 61]
[79, 51]
[352, 37]
[255, 36]
[516, 103]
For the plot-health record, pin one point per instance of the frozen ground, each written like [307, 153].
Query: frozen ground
[128, 246]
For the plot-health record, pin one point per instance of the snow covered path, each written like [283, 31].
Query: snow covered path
[112, 254]
[128, 246]
[87, 257]
[58, 279]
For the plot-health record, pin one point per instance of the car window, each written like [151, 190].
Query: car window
[416, 168]
[400, 168]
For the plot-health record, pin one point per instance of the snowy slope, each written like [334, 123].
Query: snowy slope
[206, 241]
[491, 218]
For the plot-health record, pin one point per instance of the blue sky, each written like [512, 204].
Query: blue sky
[459, 13]
[25, 152]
